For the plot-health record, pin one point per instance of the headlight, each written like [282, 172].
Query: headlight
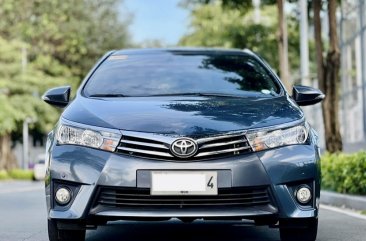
[262, 140]
[86, 137]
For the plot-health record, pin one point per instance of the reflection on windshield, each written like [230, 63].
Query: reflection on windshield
[248, 75]
[174, 72]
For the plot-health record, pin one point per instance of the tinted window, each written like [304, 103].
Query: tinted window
[179, 72]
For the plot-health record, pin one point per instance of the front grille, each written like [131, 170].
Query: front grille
[158, 146]
[141, 198]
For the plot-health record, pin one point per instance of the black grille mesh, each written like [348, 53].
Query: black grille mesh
[141, 198]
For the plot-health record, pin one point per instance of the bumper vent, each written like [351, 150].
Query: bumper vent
[158, 146]
[141, 198]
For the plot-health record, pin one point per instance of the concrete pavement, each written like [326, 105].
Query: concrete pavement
[356, 202]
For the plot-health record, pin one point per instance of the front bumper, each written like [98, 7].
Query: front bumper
[279, 171]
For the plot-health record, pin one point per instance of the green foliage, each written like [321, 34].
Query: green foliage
[73, 32]
[344, 173]
[213, 25]
[21, 174]
[4, 175]
[18, 174]
[20, 89]
[237, 4]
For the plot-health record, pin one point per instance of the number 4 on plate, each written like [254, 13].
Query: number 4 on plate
[210, 183]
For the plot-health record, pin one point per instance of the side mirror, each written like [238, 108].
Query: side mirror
[304, 95]
[58, 97]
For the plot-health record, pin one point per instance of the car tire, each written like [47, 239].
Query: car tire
[307, 231]
[55, 234]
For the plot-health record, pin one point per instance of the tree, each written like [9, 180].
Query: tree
[328, 75]
[19, 94]
[283, 44]
[73, 32]
[214, 25]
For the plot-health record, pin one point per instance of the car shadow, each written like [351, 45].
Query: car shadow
[176, 230]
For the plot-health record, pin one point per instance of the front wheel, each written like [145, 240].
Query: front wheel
[55, 234]
[305, 230]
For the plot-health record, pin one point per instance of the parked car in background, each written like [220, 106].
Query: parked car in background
[206, 134]
[39, 168]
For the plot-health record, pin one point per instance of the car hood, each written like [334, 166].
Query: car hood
[183, 115]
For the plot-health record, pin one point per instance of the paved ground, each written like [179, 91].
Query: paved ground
[23, 217]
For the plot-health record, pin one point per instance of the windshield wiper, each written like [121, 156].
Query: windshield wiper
[174, 94]
[198, 94]
[108, 95]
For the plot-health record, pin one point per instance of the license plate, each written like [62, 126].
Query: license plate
[183, 183]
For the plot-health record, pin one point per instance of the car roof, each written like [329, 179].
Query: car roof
[182, 50]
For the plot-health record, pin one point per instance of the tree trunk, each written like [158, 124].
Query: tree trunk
[328, 75]
[332, 82]
[7, 159]
[319, 43]
[283, 45]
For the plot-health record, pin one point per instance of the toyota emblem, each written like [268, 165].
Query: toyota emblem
[183, 148]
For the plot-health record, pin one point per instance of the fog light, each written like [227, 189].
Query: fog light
[63, 196]
[303, 194]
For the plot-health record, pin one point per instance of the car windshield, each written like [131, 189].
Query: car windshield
[185, 73]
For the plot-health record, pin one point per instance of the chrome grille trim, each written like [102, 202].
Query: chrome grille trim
[222, 151]
[218, 137]
[145, 144]
[220, 144]
[157, 146]
[156, 153]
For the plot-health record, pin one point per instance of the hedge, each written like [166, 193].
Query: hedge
[21, 174]
[3, 175]
[18, 174]
[344, 173]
